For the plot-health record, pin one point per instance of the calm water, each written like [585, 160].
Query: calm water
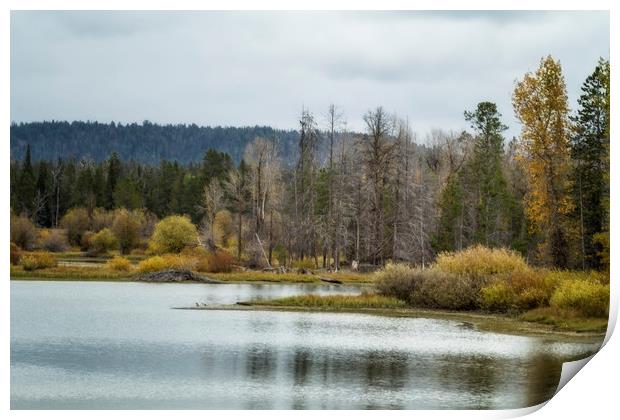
[120, 345]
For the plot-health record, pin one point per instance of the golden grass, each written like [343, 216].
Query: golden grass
[364, 301]
[70, 273]
[480, 261]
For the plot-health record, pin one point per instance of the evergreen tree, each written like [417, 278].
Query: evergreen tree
[114, 173]
[26, 186]
[589, 149]
[490, 197]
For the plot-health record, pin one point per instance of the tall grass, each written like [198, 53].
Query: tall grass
[364, 301]
[480, 261]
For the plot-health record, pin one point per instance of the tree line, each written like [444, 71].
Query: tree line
[377, 196]
[145, 143]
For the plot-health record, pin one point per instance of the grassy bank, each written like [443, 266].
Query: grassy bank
[542, 321]
[334, 302]
[102, 272]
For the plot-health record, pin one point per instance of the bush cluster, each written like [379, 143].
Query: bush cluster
[119, 264]
[38, 260]
[16, 254]
[588, 298]
[497, 281]
[192, 259]
[432, 288]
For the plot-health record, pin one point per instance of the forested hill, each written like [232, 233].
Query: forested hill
[144, 143]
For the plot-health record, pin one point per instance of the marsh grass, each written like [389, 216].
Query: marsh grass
[335, 302]
[70, 273]
[565, 320]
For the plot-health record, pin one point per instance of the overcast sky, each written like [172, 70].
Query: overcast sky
[247, 68]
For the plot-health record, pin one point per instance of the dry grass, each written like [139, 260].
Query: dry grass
[369, 301]
[69, 273]
[119, 264]
[480, 261]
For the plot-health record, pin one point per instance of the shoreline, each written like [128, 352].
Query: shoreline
[483, 322]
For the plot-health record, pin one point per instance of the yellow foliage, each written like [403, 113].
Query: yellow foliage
[173, 234]
[480, 261]
[119, 264]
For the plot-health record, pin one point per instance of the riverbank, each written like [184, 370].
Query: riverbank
[587, 328]
[99, 273]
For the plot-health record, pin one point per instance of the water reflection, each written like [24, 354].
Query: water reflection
[106, 345]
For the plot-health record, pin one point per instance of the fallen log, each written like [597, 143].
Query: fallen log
[173, 276]
[330, 280]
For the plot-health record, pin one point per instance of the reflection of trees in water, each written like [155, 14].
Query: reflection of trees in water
[473, 375]
[306, 377]
[260, 363]
[543, 371]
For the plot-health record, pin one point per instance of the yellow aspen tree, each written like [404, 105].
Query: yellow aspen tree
[541, 105]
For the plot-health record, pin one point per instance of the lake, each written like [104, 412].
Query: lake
[114, 345]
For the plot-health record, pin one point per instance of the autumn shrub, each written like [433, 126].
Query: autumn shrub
[396, 280]
[103, 241]
[180, 262]
[431, 288]
[518, 291]
[119, 264]
[588, 298]
[172, 234]
[220, 262]
[54, 240]
[101, 219]
[16, 254]
[443, 290]
[480, 261]
[156, 263]
[38, 260]
[77, 222]
[23, 232]
[127, 227]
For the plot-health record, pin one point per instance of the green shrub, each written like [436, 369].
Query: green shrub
[172, 234]
[480, 261]
[103, 241]
[586, 297]
[156, 263]
[119, 264]
[16, 254]
[38, 260]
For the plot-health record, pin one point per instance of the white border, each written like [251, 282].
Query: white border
[593, 393]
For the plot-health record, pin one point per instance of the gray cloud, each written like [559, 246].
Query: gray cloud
[246, 68]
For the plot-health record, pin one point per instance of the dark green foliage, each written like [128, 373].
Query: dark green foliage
[145, 143]
[590, 151]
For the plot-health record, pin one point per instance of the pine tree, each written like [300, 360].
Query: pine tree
[26, 186]
[114, 173]
[590, 152]
[490, 196]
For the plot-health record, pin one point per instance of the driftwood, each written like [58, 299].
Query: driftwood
[329, 280]
[173, 276]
